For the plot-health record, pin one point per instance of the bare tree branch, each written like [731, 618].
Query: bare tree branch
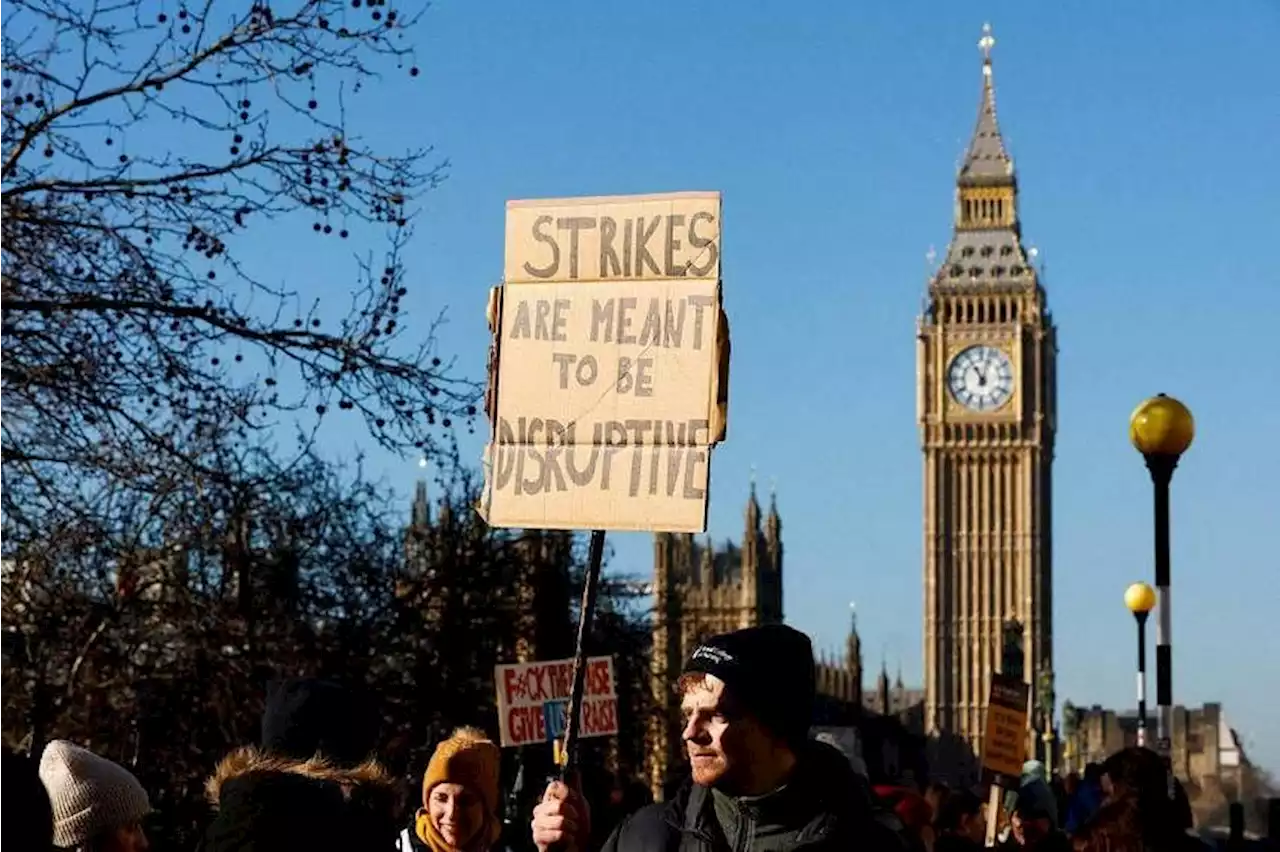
[139, 345]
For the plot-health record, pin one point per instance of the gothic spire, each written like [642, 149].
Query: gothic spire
[987, 161]
[421, 516]
[986, 245]
[753, 507]
[853, 645]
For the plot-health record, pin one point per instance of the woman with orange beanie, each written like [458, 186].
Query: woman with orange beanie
[460, 794]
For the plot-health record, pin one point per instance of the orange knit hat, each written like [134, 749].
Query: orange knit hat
[471, 759]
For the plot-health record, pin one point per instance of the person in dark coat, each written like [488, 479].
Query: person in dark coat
[1034, 821]
[313, 783]
[28, 813]
[758, 783]
[1142, 808]
[1084, 799]
[961, 823]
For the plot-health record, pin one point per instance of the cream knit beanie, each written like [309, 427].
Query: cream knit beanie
[90, 794]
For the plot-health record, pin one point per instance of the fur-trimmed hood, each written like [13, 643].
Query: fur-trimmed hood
[251, 760]
[265, 801]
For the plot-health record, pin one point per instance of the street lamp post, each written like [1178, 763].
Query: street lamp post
[1140, 599]
[1162, 428]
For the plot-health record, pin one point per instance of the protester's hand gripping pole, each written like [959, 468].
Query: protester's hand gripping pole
[994, 797]
[566, 754]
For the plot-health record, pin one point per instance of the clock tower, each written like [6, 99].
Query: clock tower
[985, 377]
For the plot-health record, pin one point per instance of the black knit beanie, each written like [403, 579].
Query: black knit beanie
[305, 717]
[770, 672]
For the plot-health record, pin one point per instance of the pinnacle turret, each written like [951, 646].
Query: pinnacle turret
[773, 524]
[421, 516]
[753, 507]
[885, 704]
[853, 645]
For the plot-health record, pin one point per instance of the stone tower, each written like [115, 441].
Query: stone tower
[701, 589]
[985, 405]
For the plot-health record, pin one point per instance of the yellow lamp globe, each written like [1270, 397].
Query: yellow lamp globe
[1140, 598]
[1162, 426]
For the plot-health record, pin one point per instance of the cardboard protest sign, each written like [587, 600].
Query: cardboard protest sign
[609, 364]
[1004, 747]
[532, 698]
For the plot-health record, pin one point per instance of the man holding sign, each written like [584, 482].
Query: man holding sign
[759, 783]
[608, 380]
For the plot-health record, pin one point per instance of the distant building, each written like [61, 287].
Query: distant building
[1204, 745]
[896, 700]
[1206, 753]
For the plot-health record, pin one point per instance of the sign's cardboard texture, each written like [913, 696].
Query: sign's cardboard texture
[607, 392]
[533, 697]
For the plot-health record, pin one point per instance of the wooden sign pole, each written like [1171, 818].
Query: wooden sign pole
[567, 756]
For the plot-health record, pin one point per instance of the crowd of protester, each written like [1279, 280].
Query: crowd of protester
[757, 782]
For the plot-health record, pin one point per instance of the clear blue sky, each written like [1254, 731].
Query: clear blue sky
[1144, 134]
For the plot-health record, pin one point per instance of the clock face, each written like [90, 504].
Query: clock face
[981, 378]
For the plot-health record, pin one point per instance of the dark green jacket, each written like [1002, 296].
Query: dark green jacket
[821, 809]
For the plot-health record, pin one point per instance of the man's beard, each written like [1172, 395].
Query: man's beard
[709, 770]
